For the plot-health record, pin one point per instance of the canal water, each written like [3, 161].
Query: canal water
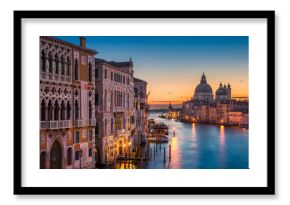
[200, 146]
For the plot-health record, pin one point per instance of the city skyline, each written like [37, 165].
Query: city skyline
[172, 65]
[94, 113]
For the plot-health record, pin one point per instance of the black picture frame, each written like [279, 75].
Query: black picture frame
[268, 190]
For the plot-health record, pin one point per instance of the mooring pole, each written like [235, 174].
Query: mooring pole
[164, 154]
[169, 152]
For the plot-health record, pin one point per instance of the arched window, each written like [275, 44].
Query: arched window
[105, 100]
[43, 111]
[68, 67]
[112, 125]
[42, 61]
[124, 123]
[118, 97]
[115, 98]
[56, 64]
[63, 111]
[105, 127]
[68, 111]
[62, 66]
[90, 110]
[49, 110]
[136, 92]
[56, 111]
[97, 129]
[111, 98]
[90, 72]
[97, 98]
[50, 61]
[76, 69]
[121, 99]
[76, 110]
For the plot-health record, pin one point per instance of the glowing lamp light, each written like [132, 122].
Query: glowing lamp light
[129, 143]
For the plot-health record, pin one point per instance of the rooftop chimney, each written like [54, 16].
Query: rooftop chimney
[83, 42]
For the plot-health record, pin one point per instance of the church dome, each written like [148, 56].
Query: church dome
[203, 90]
[203, 87]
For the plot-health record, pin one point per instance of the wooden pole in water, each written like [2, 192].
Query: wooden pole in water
[164, 154]
[169, 152]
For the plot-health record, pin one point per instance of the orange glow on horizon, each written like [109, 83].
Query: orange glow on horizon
[178, 91]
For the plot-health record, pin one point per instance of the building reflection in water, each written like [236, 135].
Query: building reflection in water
[175, 152]
[193, 134]
[222, 144]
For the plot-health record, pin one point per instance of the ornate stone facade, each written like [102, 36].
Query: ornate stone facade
[141, 112]
[67, 91]
[115, 111]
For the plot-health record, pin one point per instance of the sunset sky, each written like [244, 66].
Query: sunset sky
[173, 65]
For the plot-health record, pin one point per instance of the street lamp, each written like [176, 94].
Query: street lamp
[80, 156]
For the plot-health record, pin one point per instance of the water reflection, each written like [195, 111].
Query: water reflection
[198, 146]
[222, 144]
[175, 153]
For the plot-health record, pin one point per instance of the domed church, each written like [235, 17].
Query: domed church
[203, 91]
[223, 92]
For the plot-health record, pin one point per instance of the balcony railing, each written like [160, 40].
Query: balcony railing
[55, 124]
[65, 124]
[80, 123]
[55, 77]
[92, 122]
[43, 75]
[44, 125]
[50, 76]
[68, 79]
[121, 131]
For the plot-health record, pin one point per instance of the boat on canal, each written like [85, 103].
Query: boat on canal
[158, 129]
[158, 138]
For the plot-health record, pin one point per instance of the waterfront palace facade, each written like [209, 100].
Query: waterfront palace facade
[120, 124]
[222, 109]
[88, 109]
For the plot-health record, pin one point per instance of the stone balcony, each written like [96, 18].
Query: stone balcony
[119, 132]
[56, 124]
[54, 77]
[92, 122]
[80, 123]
